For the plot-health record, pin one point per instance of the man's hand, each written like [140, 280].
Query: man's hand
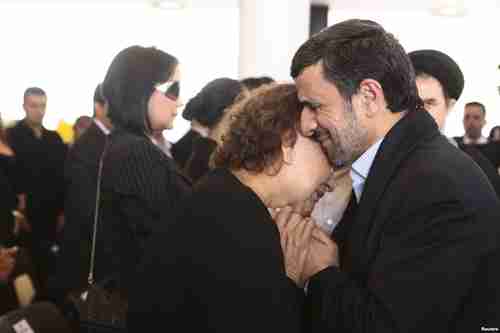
[323, 252]
[7, 262]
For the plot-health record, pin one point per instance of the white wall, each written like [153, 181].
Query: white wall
[66, 49]
[471, 41]
[270, 34]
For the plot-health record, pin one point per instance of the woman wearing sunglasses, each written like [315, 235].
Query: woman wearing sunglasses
[140, 185]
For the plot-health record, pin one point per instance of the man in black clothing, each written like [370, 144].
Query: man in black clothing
[40, 155]
[81, 183]
[424, 215]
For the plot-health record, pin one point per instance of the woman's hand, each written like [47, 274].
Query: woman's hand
[307, 250]
[296, 233]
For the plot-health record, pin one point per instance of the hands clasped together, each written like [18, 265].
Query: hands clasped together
[307, 249]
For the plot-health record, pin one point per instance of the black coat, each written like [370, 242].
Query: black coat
[141, 189]
[40, 166]
[490, 150]
[409, 256]
[485, 164]
[219, 267]
[8, 199]
[487, 156]
[81, 185]
[183, 148]
[198, 163]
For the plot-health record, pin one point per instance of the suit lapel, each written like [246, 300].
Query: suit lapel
[401, 140]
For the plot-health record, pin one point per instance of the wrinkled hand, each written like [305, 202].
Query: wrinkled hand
[323, 252]
[295, 235]
[7, 262]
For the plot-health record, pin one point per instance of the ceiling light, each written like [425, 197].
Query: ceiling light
[168, 4]
[449, 8]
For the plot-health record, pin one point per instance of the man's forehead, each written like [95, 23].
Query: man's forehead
[473, 109]
[36, 97]
[310, 83]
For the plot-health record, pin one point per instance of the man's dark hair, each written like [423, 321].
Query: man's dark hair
[130, 82]
[34, 91]
[354, 50]
[252, 83]
[480, 105]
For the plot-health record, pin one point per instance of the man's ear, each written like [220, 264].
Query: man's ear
[371, 96]
[451, 104]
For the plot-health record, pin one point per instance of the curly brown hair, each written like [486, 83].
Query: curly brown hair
[261, 124]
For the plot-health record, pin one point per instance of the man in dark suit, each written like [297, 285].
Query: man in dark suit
[440, 83]
[423, 214]
[40, 155]
[81, 181]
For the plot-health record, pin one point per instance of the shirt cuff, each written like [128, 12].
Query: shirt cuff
[327, 279]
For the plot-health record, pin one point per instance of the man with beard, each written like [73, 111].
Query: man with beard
[423, 214]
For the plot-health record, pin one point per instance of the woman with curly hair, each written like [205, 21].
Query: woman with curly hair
[220, 266]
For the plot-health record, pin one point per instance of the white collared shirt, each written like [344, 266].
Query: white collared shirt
[103, 128]
[480, 141]
[361, 167]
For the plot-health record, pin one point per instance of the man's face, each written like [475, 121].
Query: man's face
[473, 121]
[34, 106]
[431, 92]
[336, 122]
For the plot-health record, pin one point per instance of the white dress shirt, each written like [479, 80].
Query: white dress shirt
[361, 167]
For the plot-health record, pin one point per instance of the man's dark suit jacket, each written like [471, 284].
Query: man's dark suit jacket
[81, 184]
[490, 150]
[40, 165]
[485, 164]
[410, 255]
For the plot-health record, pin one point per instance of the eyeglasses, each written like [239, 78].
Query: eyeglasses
[170, 89]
